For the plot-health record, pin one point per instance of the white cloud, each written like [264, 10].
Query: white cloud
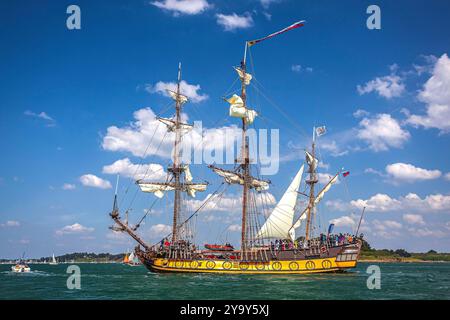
[332, 147]
[413, 219]
[404, 172]
[229, 202]
[10, 223]
[147, 134]
[344, 221]
[387, 229]
[436, 94]
[360, 113]
[324, 178]
[189, 90]
[388, 86]
[384, 203]
[75, 228]
[160, 230]
[447, 176]
[382, 132]
[426, 232]
[126, 168]
[233, 21]
[266, 3]
[235, 228]
[68, 186]
[41, 115]
[189, 7]
[90, 180]
[299, 68]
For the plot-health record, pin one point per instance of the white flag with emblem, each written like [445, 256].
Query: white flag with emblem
[320, 131]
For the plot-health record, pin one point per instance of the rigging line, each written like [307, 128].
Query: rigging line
[278, 107]
[137, 190]
[196, 211]
[151, 207]
[229, 90]
[145, 154]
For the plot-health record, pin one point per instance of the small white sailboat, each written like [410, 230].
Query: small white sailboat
[133, 260]
[53, 262]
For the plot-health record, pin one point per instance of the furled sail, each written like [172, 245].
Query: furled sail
[171, 124]
[279, 223]
[157, 188]
[238, 110]
[325, 189]
[232, 177]
[177, 96]
[246, 77]
[312, 162]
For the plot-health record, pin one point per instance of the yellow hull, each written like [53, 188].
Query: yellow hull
[317, 265]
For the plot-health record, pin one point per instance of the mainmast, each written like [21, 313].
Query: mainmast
[176, 168]
[311, 182]
[245, 161]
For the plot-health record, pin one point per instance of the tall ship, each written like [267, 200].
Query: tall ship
[274, 246]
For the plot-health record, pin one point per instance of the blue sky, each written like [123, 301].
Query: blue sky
[62, 90]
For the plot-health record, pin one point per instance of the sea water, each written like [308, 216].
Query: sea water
[118, 281]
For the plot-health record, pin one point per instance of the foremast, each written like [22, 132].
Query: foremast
[177, 170]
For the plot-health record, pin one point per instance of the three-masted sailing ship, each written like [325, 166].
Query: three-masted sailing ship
[271, 248]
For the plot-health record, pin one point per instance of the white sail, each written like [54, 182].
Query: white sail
[171, 124]
[325, 189]
[235, 178]
[157, 189]
[179, 97]
[187, 173]
[228, 176]
[238, 110]
[191, 189]
[246, 77]
[279, 223]
[53, 258]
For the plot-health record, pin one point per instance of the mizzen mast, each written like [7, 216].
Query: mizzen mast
[312, 163]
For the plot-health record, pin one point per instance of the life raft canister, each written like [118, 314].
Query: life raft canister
[276, 266]
[310, 265]
[243, 265]
[260, 266]
[326, 264]
[293, 266]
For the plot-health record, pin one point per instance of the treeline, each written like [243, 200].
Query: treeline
[86, 257]
[368, 253]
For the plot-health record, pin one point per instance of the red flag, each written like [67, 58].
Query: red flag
[346, 173]
[292, 26]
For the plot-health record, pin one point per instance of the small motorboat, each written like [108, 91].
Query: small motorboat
[219, 247]
[21, 268]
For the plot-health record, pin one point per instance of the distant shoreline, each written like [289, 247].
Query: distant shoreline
[401, 261]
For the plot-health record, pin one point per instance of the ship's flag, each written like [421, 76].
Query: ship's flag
[296, 25]
[330, 228]
[320, 131]
[346, 173]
